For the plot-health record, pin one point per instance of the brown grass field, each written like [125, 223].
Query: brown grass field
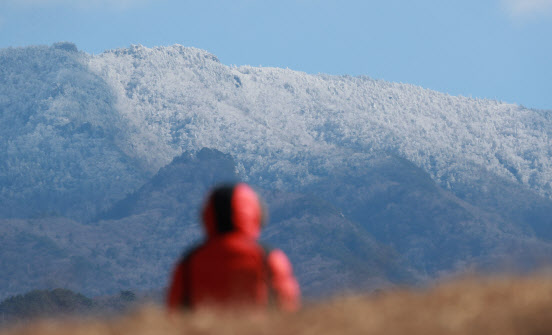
[464, 306]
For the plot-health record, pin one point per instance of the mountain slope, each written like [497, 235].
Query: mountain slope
[136, 243]
[329, 252]
[433, 230]
[178, 189]
[105, 122]
[300, 126]
[446, 182]
[60, 136]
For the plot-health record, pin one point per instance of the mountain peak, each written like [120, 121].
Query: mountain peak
[139, 51]
[188, 176]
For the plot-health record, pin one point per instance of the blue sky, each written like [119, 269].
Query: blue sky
[498, 49]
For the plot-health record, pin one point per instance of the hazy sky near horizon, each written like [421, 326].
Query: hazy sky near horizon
[497, 49]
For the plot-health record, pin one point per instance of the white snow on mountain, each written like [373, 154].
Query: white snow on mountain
[287, 126]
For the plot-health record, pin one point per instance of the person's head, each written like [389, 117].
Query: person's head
[233, 208]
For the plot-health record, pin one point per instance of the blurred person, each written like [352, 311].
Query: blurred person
[231, 268]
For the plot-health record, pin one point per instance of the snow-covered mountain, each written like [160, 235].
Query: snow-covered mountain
[68, 117]
[60, 136]
[427, 182]
[286, 125]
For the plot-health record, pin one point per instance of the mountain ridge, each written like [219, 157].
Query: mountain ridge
[320, 115]
[146, 106]
[432, 184]
[133, 245]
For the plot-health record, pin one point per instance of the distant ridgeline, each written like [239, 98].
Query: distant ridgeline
[106, 159]
[60, 302]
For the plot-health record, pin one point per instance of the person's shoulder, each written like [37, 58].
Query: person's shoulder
[277, 259]
[190, 252]
[273, 253]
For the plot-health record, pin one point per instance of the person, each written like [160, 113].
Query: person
[231, 268]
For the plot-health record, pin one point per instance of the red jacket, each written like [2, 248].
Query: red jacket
[231, 267]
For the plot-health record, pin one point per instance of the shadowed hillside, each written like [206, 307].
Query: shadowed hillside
[137, 241]
[470, 306]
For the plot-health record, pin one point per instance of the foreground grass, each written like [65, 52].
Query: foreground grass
[468, 306]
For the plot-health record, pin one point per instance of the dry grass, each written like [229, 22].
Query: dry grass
[469, 306]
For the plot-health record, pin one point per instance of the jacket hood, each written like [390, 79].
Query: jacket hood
[233, 208]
